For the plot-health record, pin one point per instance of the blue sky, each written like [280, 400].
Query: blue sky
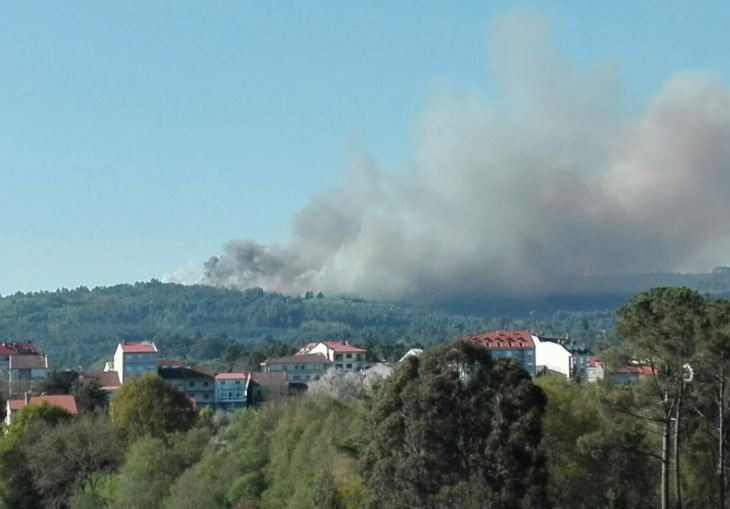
[136, 137]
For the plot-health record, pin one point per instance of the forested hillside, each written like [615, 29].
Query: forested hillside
[82, 326]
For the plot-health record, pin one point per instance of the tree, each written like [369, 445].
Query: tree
[72, 456]
[15, 490]
[88, 394]
[152, 466]
[712, 400]
[454, 429]
[147, 405]
[663, 326]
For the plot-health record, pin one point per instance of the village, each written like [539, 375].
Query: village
[24, 367]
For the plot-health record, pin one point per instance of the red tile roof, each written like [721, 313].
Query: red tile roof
[503, 340]
[594, 361]
[18, 348]
[128, 347]
[65, 401]
[343, 348]
[231, 376]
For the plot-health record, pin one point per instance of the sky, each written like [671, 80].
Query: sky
[139, 137]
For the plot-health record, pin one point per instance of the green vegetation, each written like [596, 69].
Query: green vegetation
[448, 429]
[147, 405]
[82, 327]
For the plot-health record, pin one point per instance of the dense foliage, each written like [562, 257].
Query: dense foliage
[82, 326]
[448, 429]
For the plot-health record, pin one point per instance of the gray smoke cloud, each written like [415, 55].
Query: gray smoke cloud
[523, 194]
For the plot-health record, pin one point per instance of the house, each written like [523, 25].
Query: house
[629, 374]
[299, 368]
[594, 369]
[413, 352]
[196, 384]
[65, 401]
[134, 359]
[267, 387]
[516, 345]
[231, 391]
[108, 380]
[343, 355]
[561, 355]
[24, 371]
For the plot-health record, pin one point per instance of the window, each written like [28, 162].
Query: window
[349, 356]
[205, 384]
[191, 384]
[205, 396]
[338, 357]
[338, 366]
[349, 366]
[191, 395]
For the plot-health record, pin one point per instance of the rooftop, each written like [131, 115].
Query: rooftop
[108, 380]
[182, 372]
[304, 358]
[231, 376]
[18, 348]
[28, 362]
[503, 340]
[65, 401]
[343, 347]
[144, 347]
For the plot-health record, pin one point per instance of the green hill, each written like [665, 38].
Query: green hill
[80, 327]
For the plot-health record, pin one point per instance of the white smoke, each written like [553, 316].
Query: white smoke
[555, 183]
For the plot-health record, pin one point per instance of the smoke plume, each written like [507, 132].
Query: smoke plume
[523, 194]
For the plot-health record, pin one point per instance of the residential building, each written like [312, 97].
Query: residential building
[24, 371]
[561, 355]
[516, 345]
[595, 370]
[231, 391]
[624, 375]
[413, 352]
[267, 387]
[134, 359]
[108, 380]
[196, 384]
[65, 401]
[299, 368]
[342, 355]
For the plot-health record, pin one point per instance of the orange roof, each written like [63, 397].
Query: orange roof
[128, 347]
[503, 340]
[343, 348]
[65, 401]
[231, 376]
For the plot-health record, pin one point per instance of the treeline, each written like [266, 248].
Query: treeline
[450, 428]
[81, 327]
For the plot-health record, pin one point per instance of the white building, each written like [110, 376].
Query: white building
[413, 352]
[343, 355]
[562, 356]
[134, 359]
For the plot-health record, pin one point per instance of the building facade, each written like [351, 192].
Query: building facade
[300, 368]
[516, 345]
[231, 391]
[134, 359]
[343, 356]
[197, 385]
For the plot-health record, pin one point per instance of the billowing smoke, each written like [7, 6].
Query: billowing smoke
[552, 183]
